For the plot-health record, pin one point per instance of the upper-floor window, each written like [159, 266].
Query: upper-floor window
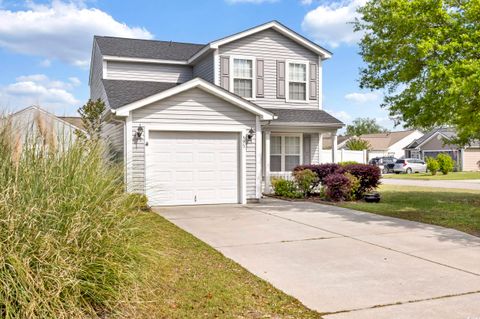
[243, 70]
[297, 81]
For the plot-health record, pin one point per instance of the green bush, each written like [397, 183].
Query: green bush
[285, 188]
[346, 163]
[306, 180]
[354, 187]
[65, 230]
[432, 165]
[446, 163]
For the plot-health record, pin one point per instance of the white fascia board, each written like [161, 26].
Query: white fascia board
[277, 27]
[195, 83]
[143, 60]
[274, 25]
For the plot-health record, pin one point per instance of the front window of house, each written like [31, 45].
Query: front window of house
[285, 153]
[297, 81]
[243, 77]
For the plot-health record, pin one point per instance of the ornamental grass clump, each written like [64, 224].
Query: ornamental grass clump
[65, 231]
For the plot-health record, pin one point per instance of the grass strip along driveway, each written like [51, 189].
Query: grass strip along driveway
[453, 208]
[186, 278]
[439, 176]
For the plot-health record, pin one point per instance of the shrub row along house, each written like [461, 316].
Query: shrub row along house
[210, 123]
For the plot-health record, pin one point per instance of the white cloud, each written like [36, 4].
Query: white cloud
[60, 30]
[306, 2]
[341, 115]
[250, 1]
[46, 63]
[330, 23]
[362, 98]
[41, 90]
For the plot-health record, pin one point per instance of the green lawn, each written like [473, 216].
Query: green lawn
[185, 278]
[439, 176]
[453, 208]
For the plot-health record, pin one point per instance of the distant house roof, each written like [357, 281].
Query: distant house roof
[383, 141]
[304, 117]
[327, 141]
[147, 49]
[446, 132]
[74, 120]
[123, 92]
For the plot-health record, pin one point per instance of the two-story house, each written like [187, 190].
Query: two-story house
[211, 123]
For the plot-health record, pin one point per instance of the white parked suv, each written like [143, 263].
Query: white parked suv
[409, 166]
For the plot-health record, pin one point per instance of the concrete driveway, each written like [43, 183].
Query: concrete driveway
[345, 263]
[472, 184]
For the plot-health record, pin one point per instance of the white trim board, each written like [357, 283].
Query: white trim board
[275, 25]
[201, 84]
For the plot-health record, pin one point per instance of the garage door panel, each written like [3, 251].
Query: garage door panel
[192, 168]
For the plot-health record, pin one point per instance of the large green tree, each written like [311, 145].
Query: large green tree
[425, 54]
[362, 126]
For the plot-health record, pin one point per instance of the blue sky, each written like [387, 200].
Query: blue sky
[45, 45]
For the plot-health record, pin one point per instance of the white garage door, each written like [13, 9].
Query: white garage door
[187, 168]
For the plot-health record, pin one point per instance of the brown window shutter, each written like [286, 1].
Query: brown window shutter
[280, 79]
[313, 81]
[260, 78]
[225, 72]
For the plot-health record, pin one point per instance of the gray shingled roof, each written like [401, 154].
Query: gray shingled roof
[147, 49]
[120, 92]
[448, 132]
[304, 116]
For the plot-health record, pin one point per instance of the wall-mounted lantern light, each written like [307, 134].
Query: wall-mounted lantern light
[250, 135]
[139, 132]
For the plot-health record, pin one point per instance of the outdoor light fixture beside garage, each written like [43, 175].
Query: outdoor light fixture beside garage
[250, 135]
[139, 132]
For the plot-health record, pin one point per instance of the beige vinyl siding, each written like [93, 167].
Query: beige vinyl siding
[314, 149]
[271, 46]
[198, 109]
[112, 133]
[97, 90]
[471, 157]
[204, 69]
[148, 72]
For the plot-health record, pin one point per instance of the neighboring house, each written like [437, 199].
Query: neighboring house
[33, 121]
[387, 144]
[437, 141]
[212, 123]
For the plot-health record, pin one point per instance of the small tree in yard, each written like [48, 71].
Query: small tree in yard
[362, 126]
[357, 144]
[432, 165]
[91, 114]
[446, 163]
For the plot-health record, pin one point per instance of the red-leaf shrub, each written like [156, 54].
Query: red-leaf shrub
[368, 175]
[322, 171]
[337, 186]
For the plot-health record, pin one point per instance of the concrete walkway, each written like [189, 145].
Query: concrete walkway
[473, 184]
[345, 263]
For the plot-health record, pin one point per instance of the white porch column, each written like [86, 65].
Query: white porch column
[267, 161]
[320, 148]
[258, 152]
[334, 147]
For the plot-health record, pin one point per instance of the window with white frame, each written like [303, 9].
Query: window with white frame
[285, 152]
[297, 81]
[243, 77]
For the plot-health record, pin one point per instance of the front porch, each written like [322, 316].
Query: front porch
[284, 148]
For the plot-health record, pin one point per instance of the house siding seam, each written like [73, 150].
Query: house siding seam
[148, 72]
[271, 46]
[198, 109]
[204, 69]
